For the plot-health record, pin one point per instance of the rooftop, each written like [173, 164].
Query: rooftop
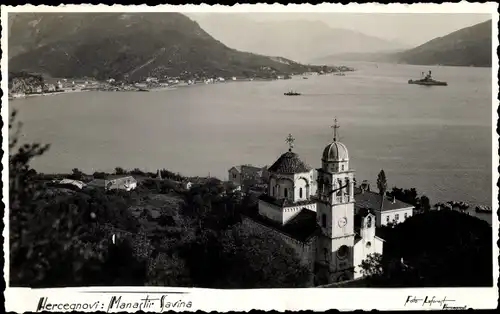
[335, 151]
[289, 163]
[371, 200]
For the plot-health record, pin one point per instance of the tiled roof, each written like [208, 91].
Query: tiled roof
[289, 163]
[371, 200]
[302, 227]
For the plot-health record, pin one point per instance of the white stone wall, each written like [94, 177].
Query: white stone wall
[336, 166]
[383, 218]
[270, 211]
[234, 176]
[362, 250]
[125, 183]
[306, 181]
[282, 215]
[314, 183]
[282, 183]
[301, 190]
[293, 184]
[333, 216]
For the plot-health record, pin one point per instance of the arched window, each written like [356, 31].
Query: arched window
[342, 167]
[325, 252]
[368, 244]
[339, 191]
[300, 192]
[323, 220]
[369, 222]
[343, 251]
[274, 191]
[286, 192]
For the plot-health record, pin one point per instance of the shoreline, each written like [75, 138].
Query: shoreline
[179, 85]
[47, 94]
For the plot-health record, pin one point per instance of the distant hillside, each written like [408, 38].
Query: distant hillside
[387, 57]
[465, 47]
[300, 40]
[134, 46]
[469, 46]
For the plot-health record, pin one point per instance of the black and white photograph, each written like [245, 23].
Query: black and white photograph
[246, 150]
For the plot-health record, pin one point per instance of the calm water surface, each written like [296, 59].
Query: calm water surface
[436, 139]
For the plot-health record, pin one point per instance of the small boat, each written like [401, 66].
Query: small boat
[339, 74]
[483, 209]
[142, 90]
[305, 78]
[292, 93]
[427, 80]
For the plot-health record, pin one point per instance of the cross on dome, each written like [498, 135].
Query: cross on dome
[335, 127]
[290, 140]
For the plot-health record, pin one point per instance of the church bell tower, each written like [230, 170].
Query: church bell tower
[335, 214]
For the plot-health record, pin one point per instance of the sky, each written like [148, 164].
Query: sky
[412, 29]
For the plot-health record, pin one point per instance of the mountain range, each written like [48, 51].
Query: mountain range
[137, 45]
[300, 40]
[133, 46]
[470, 46]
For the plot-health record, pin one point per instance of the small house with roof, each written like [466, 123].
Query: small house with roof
[387, 209]
[247, 174]
[314, 212]
[115, 182]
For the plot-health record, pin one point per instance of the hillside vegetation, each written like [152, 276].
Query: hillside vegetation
[134, 46]
[469, 46]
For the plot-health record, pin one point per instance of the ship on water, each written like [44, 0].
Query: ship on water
[292, 93]
[427, 80]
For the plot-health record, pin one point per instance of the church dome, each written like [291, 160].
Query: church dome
[335, 151]
[289, 163]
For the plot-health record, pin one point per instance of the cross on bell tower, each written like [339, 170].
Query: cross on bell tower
[290, 140]
[335, 127]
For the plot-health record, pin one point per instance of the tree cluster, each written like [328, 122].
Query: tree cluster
[410, 196]
[434, 249]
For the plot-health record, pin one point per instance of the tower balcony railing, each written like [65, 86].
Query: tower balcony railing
[334, 199]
